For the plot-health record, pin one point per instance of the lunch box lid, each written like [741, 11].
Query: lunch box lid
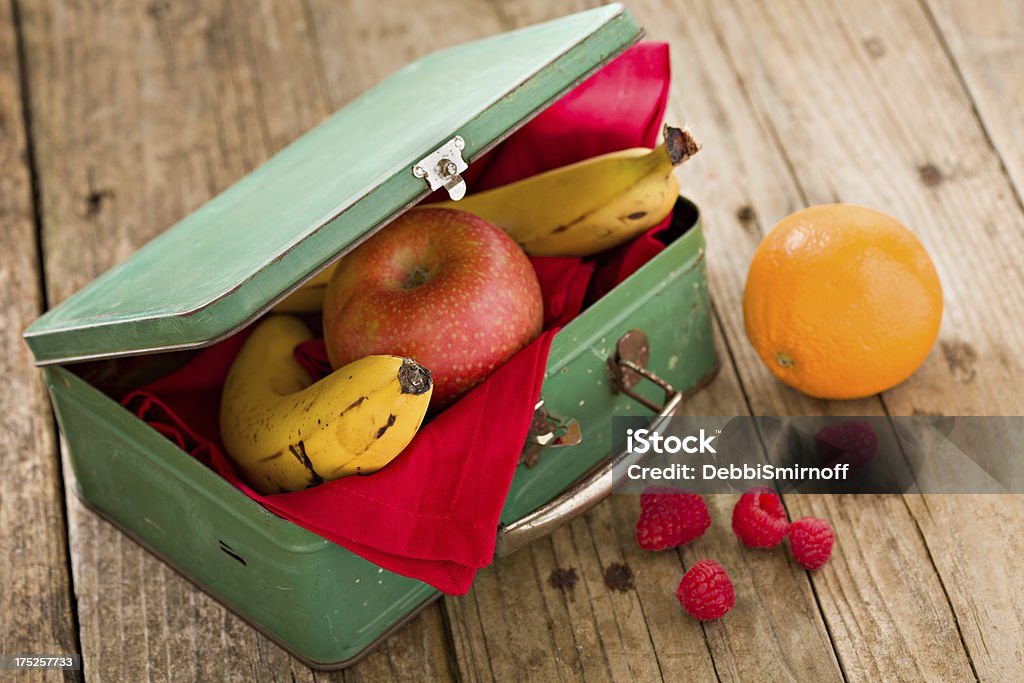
[231, 260]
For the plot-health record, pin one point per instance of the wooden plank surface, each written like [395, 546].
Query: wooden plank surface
[796, 103]
[889, 82]
[983, 39]
[745, 190]
[36, 614]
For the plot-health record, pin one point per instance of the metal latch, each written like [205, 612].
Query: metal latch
[443, 166]
[549, 431]
[628, 365]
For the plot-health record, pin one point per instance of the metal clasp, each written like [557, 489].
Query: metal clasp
[443, 168]
[549, 431]
[628, 365]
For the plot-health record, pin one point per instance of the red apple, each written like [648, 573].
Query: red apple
[444, 287]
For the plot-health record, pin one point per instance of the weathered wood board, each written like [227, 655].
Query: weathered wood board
[36, 601]
[139, 112]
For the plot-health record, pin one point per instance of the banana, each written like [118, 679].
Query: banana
[589, 206]
[286, 433]
[575, 210]
[309, 298]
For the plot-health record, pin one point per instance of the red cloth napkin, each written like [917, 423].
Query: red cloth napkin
[432, 513]
[620, 106]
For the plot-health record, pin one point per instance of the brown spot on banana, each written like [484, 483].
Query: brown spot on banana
[387, 425]
[299, 451]
[636, 215]
[573, 223]
[355, 404]
[275, 456]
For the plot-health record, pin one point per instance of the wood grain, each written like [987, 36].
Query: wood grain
[35, 603]
[182, 99]
[359, 44]
[743, 190]
[983, 40]
[853, 128]
[142, 111]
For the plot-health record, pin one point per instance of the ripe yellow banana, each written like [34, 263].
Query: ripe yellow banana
[575, 210]
[286, 434]
[589, 206]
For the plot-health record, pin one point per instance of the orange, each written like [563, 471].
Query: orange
[842, 301]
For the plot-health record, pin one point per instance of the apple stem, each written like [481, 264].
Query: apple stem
[416, 278]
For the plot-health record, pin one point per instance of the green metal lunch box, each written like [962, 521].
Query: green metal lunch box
[222, 267]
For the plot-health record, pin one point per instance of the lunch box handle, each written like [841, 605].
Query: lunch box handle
[626, 368]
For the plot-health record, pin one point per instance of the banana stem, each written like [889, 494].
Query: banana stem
[679, 144]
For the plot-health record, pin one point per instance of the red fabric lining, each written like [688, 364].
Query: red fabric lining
[417, 517]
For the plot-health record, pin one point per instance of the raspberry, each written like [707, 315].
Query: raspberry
[810, 541]
[670, 518]
[759, 519]
[853, 443]
[706, 592]
[651, 494]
